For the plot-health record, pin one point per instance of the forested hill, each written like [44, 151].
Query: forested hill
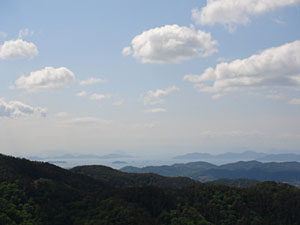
[34, 193]
[282, 172]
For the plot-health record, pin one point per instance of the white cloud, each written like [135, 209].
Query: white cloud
[96, 96]
[17, 49]
[155, 97]
[47, 78]
[155, 110]
[91, 81]
[17, 109]
[230, 12]
[127, 51]
[277, 67]
[294, 101]
[81, 94]
[171, 44]
[24, 33]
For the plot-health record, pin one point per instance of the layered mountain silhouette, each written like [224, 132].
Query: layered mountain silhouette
[288, 172]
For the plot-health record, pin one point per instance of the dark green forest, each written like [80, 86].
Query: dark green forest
[43, 194]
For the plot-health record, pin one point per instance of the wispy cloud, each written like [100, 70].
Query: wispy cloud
[18, 109]
[155, 110]
[278, 21]
[156, 97]
[81, 93]
[25, 33]
[91, 81]
[96, 96]
[126, 51]
[88, 120]
[274, 96]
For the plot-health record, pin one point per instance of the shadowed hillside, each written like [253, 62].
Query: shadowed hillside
[120, 179]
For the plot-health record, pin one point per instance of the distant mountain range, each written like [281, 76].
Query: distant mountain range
[248, 155]
[288, 172]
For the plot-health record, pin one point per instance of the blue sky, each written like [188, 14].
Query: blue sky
[157, 77]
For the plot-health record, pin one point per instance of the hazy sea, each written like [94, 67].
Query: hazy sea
[118, 163]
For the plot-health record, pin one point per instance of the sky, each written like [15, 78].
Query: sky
[149, 77]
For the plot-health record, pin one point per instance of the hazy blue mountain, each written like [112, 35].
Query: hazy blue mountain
[246, 156]
[195, 155]
[280, 157]
[283, 172]
[179, 169]
[119, 162]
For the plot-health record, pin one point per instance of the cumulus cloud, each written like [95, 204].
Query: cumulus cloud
[91, 81]
[17, 49]
[155, 110]
[155, 97]
[171, 44]
[295, 101]
[277, 67]
[17, 109]
[96, 96]
[230, 12]
[81, 94]
[47, 78]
